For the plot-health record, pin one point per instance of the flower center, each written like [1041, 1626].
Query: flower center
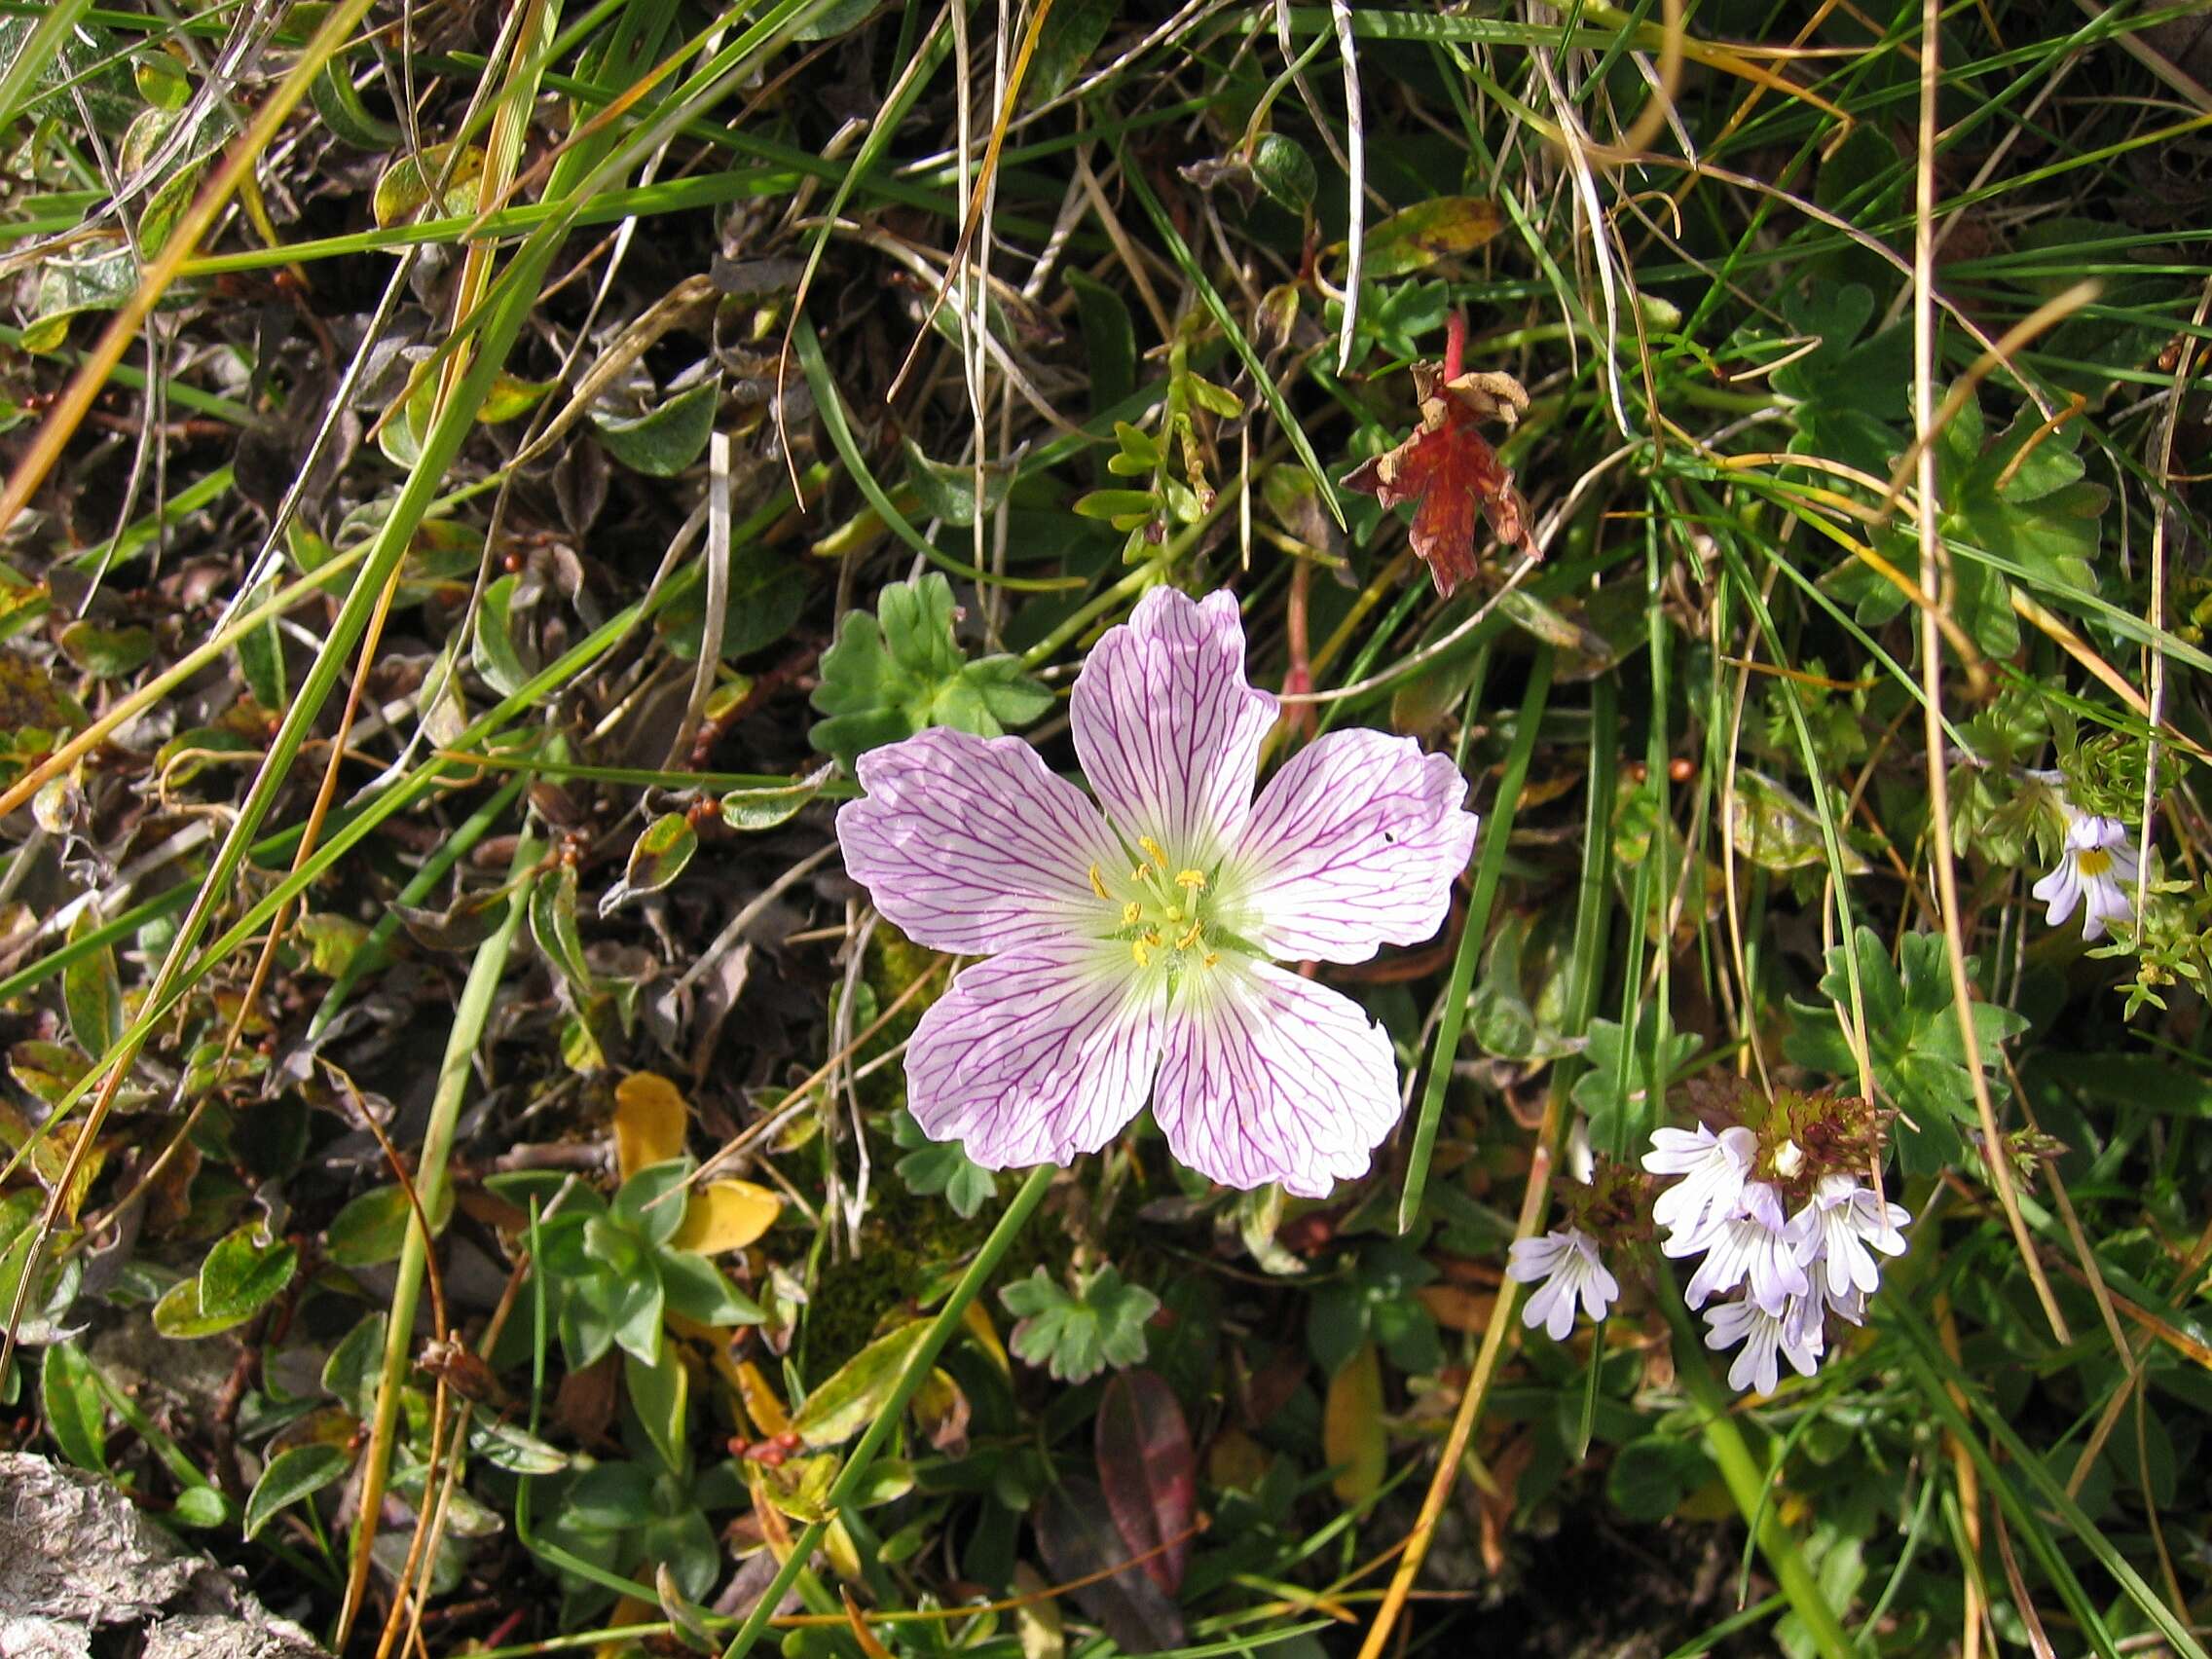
[2092, 861]
[1163, 911]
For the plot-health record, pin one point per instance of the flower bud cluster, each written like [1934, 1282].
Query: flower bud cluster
[1782, 1227]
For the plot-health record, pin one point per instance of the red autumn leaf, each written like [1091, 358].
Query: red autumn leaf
[1149, 1472]
[1448, 469]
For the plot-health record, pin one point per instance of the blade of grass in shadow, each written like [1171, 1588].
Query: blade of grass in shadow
[1496, 829]
[1934, 1369]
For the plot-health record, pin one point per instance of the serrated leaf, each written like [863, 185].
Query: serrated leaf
[292, 1475]
[901, 671]
[933, 1167]
[656, 859]
[1076, 1337]
[666, 439]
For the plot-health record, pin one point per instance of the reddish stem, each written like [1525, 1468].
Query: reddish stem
[1454, 346]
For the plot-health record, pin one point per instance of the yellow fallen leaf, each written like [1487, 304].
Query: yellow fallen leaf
[650, 1115]
[979, 1322]
[726, 1215]
[762, 1402]
[1351, 1428]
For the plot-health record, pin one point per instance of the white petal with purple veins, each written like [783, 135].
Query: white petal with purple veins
[1040, 1054]
[1353, 844]
[1567, 1263]
[971, 844]
[1168, 729]
[1269, 1077]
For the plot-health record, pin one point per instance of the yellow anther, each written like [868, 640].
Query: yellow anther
[1210, 958]
[1153, 850]
[1130, 913]
[1194, 880]
[1190, 938]
[1141, 952]
[1140, 875]
[1099, 883]
[1152, 938]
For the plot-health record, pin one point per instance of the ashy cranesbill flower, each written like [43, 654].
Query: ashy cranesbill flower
[2094, 871]
[1794, 1333]
[1835, 1229]
[1131, 949]
[1566, 1260]
[1713, 1168]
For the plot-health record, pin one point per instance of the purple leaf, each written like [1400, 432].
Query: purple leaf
[1147, 1467]
[1076, 1540]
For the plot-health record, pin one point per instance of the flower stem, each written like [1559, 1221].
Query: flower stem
[1454, 346]
[979, 1270]
[1747, 1481]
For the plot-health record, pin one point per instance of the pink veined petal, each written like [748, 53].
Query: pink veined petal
[1168, 729]
[1269, 1077]
[1040, 1054]
[1355, 844]
[971, 844]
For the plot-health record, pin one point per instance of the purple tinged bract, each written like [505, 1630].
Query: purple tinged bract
[1132, 951]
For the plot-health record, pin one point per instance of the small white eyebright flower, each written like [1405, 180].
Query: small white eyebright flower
[1747, 1250]
[2094, 871]
[1794, 1334]
[1835, 1230]
[1713, 1168]
[1566, 1261]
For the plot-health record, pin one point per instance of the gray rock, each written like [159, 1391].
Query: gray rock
[77, 1557]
